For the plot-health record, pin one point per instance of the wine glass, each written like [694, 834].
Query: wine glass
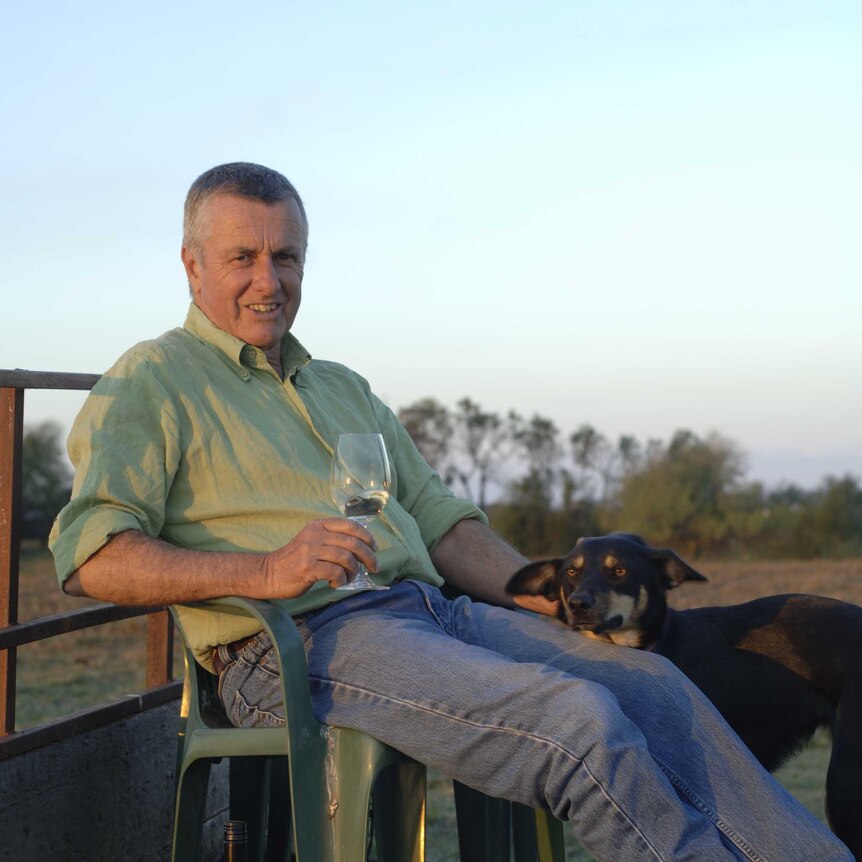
[360, 481]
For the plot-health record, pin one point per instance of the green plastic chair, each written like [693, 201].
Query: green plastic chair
[493, 830]
[489, 830]
[537, 835]
[332, 771]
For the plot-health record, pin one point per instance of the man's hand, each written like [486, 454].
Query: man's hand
[329, 550]
[537, 604]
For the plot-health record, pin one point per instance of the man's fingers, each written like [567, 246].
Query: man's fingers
[348, 554]
[352, 537]
[344, 526]
[335, 575]
[338, 556]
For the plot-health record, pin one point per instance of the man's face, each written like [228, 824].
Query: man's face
[246, 274]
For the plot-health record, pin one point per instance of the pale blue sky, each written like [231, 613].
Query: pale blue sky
[645, 216]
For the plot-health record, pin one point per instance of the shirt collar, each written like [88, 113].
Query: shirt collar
[241, 355]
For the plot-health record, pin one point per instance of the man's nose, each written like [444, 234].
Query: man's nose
[265, 274]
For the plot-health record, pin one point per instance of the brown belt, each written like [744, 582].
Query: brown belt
[233, 649]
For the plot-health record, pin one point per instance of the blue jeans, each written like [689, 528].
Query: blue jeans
[615, 740]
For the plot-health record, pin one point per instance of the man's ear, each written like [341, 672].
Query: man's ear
[192, 264]
[676, 570]
[536, 579]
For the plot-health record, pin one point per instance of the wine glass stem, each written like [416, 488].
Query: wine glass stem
[362, 574]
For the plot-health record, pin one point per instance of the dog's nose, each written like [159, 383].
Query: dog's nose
[581, 601]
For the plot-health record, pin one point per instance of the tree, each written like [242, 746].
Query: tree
[590, 453]
[536, 441]
[429, 423]
[483, 446]
[837, 515]
[681, 496]
[526, 517]
[468, 446]
[46, 479]
[601, 466]
[629, 451]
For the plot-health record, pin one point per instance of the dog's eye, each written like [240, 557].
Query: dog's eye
[572, 572]
[619, 572]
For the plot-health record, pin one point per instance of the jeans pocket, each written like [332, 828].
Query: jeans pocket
[257, 707]
[250, 686]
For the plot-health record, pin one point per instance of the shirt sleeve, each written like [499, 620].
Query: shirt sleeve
[420, 490]
[125, 448]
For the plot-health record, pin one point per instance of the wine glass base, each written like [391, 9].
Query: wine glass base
[354, 586]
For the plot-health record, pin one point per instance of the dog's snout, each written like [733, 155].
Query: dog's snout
[581, 601]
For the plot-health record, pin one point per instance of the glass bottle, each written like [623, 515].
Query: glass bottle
[235, 841]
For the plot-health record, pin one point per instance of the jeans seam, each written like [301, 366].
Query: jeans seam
[426, 598]
[616, 806]
[714, 816]
[503, 729]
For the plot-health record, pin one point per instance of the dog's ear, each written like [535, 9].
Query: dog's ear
[536, 579]
[676, 570]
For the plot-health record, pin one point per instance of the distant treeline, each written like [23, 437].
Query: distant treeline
[542, 491]
[688, 493]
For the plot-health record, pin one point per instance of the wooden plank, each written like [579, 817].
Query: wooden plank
[160, 648]
[20, 378]
[11, 446]
[69, 621]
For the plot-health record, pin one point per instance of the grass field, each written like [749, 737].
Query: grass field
[81, 669]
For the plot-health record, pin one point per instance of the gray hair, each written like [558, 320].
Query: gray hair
[241, 179]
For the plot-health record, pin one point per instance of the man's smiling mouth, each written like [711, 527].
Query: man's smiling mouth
[264, 308]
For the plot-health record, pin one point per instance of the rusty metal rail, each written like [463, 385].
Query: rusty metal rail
[161, 688]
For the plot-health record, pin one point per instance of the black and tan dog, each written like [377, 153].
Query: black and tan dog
[777, 668]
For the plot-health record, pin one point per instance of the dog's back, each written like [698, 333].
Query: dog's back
[775, 667]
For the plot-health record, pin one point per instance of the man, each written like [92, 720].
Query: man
[202, 470]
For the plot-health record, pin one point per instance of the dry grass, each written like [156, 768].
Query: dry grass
[81, 669]
[731, 582]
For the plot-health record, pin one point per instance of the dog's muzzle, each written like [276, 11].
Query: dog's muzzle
[583, 615]
[606, 625]
[580, 603]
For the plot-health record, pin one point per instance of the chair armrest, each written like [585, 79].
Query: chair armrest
[280, 627]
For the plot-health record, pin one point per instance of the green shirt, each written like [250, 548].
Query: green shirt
[193, 437]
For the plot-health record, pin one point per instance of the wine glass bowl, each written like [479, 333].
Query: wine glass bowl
[360, 478]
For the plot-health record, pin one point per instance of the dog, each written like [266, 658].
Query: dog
[777, 668]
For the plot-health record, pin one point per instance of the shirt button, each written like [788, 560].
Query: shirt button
[244, 374]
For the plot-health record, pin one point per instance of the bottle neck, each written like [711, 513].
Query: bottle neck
[235, 841]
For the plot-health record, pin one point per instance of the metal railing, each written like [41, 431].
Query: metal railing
[160, 686]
